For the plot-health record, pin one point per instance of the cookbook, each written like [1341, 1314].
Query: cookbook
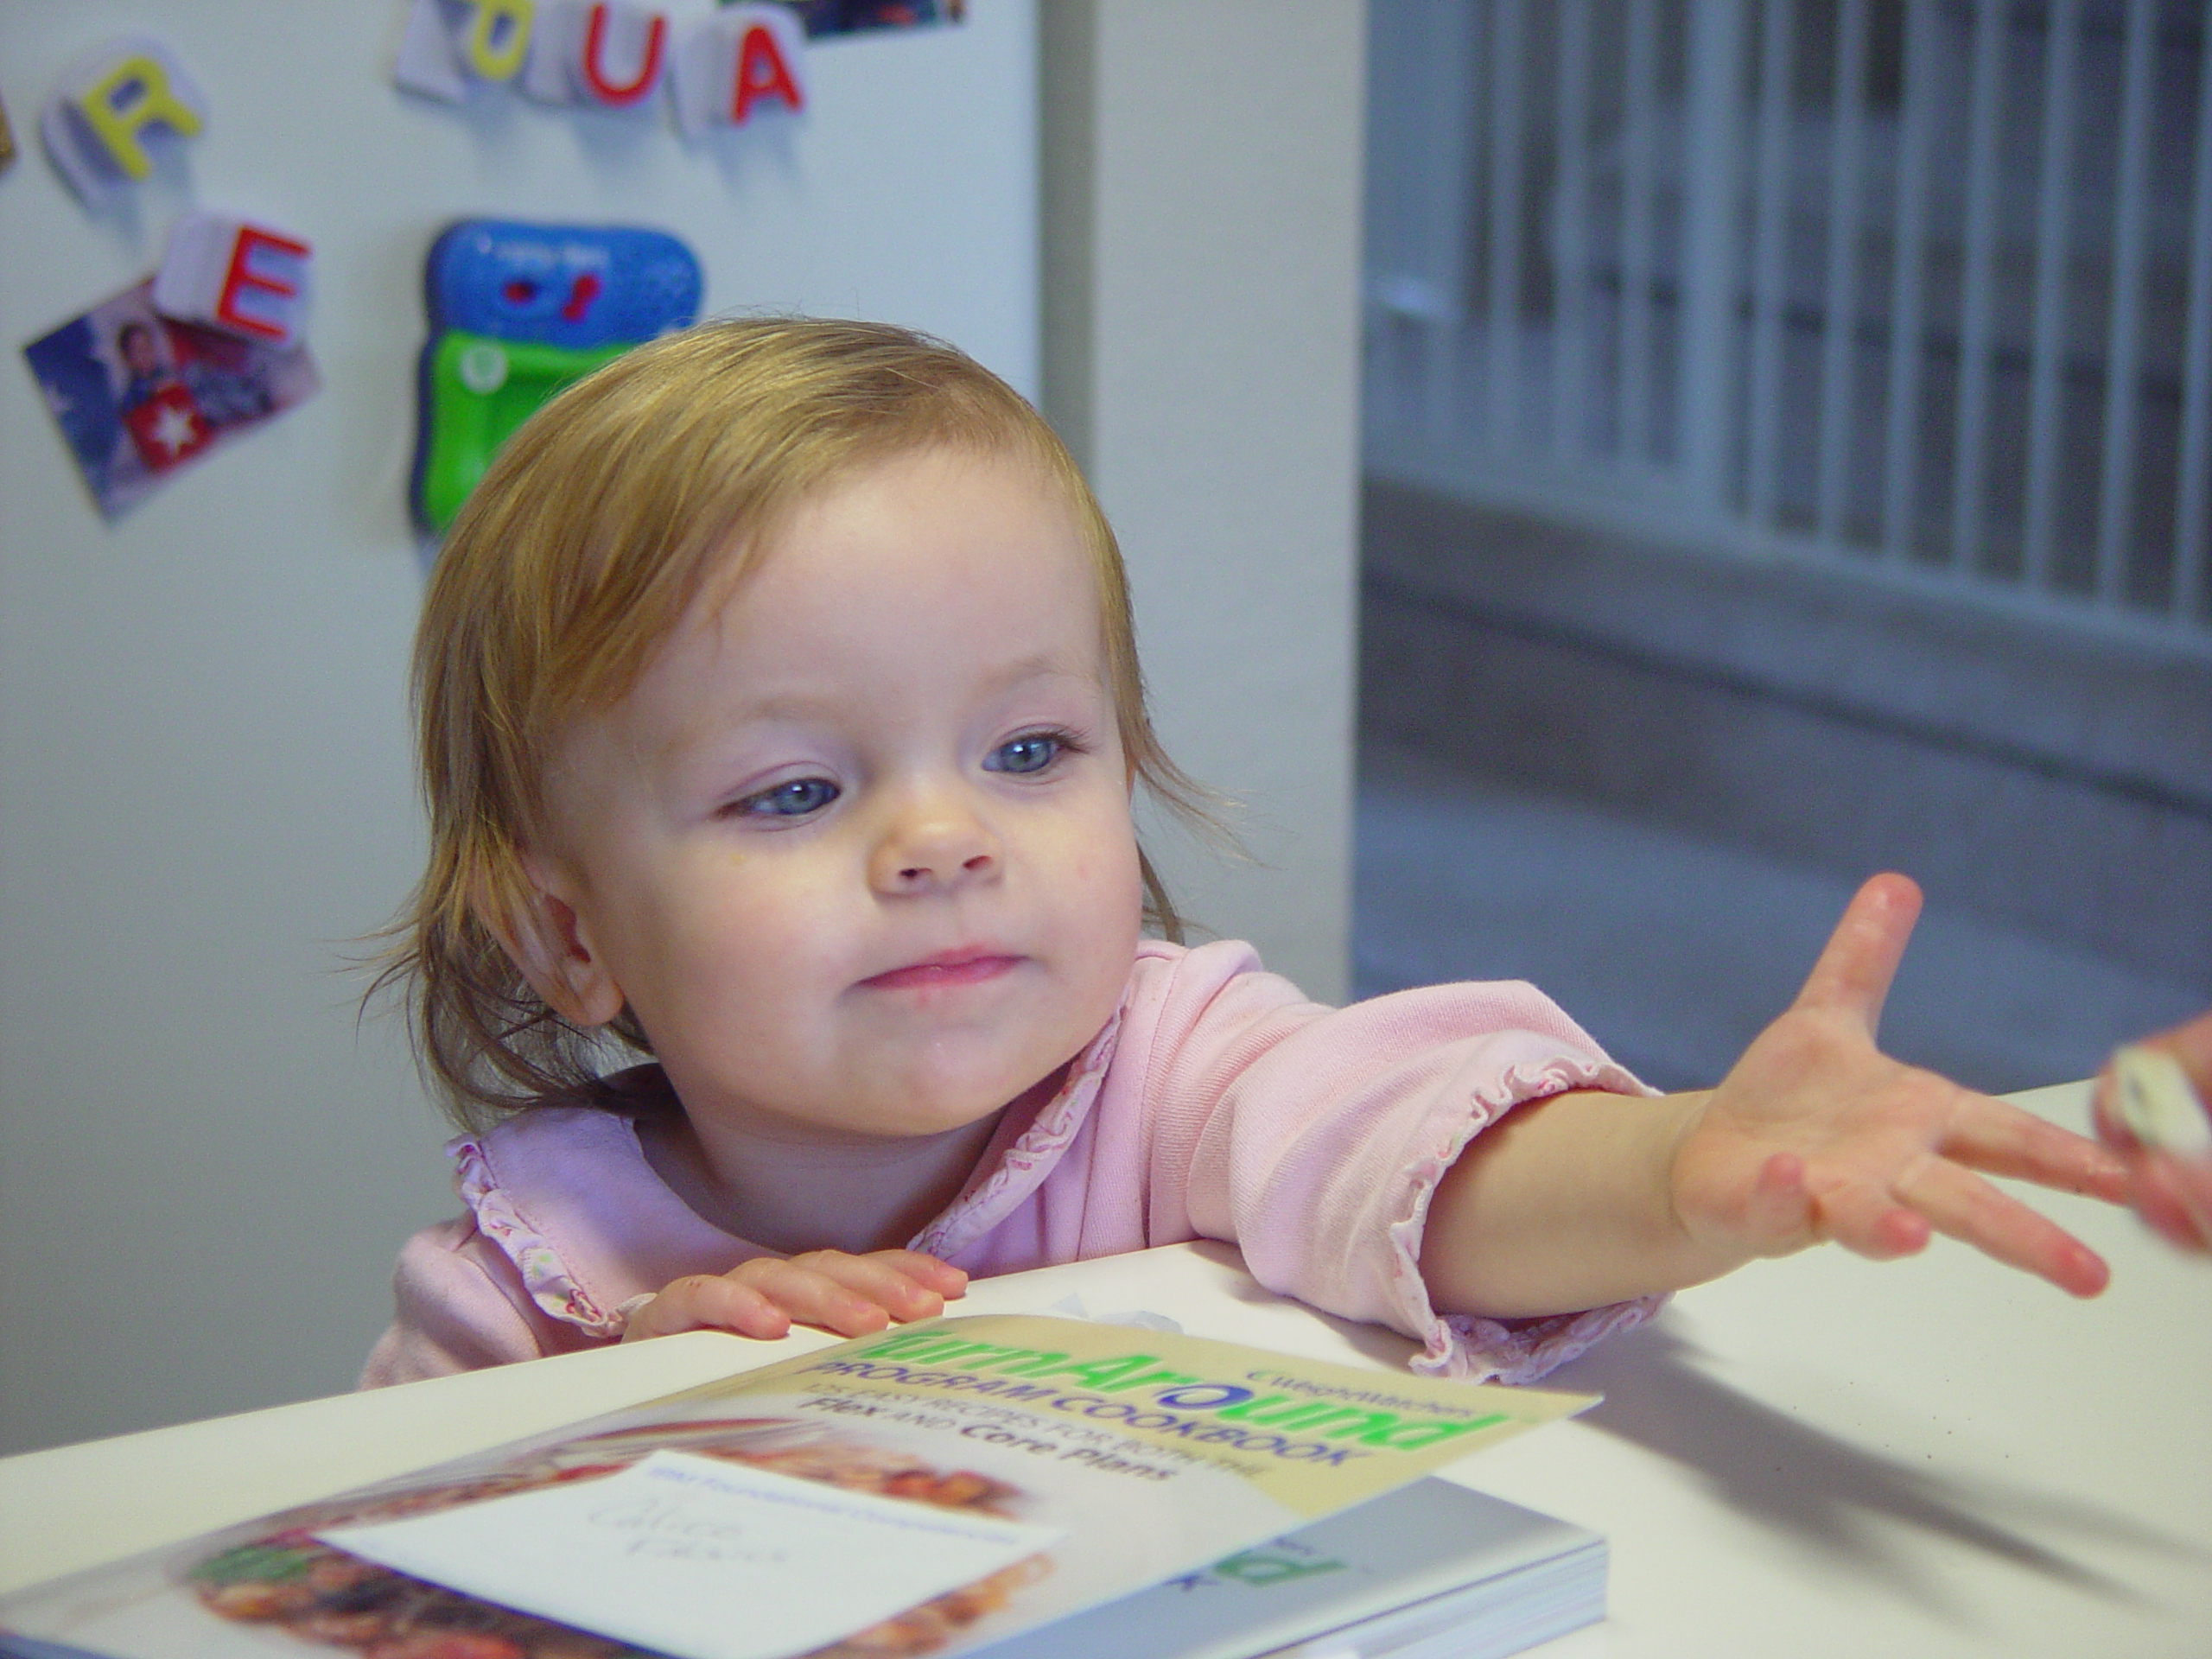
[937, 1488]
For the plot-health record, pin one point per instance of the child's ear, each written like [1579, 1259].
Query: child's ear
[546, 936]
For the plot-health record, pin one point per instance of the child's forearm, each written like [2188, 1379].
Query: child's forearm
[1566, 1204]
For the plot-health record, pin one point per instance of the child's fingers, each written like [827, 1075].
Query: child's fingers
[1959, 1204]
[812, 1296]
[1861, 956]
[710, 1302]
[852, 1295]
[949, 1281]
[1999, 1139]
[1871, 1223]
[882, 1281]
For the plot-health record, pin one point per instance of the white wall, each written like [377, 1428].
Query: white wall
[1202, 167]
[205, 1166]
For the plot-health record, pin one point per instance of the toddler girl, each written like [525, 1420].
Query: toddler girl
[780, 716]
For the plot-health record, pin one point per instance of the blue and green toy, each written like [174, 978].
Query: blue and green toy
[517, 313]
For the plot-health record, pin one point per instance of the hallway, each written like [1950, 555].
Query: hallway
[1674, 951]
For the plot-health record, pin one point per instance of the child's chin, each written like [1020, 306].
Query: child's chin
[943, 1107]
[948, 1116]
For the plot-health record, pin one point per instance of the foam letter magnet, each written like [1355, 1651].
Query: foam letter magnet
[738, 62]
[244, 279]
[113, 108]
[445, 44]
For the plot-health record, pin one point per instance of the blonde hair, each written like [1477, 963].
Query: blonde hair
[596, 526]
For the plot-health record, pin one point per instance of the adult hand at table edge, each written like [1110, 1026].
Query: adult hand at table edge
[2171, 1193]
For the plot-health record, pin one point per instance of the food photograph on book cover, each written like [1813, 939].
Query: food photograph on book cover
[285, 1580]
[275, 1583]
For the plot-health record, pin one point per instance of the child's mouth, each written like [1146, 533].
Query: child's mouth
[948, 967]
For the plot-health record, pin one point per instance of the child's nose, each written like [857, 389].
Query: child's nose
[939, 844]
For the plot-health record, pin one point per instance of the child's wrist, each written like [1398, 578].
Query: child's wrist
[1690, 1255]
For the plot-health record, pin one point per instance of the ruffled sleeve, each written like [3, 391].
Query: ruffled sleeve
[1314, 1138]
[569, 1231]
[457, 1307]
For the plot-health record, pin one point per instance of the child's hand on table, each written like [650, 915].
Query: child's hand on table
[1816, 1134]
[852, 1295]
[2170, 1187]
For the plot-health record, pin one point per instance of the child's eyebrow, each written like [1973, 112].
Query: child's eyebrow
[1043, 666]
[801, 708]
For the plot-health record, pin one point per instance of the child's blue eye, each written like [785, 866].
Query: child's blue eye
[1032, 752]
[790, 800]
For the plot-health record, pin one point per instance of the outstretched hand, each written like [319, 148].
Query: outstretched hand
[1816, 1134]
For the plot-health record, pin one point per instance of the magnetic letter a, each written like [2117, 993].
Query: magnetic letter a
[762, 72]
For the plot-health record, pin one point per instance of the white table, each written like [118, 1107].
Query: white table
[1812, 1456]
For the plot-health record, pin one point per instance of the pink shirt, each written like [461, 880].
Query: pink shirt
[1218, 1103]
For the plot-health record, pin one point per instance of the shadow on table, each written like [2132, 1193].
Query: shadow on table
[1833, 1498]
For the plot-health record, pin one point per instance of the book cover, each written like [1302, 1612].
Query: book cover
[1057, 1466]
[1430, 1565]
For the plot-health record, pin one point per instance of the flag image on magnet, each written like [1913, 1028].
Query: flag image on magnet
[138, 396]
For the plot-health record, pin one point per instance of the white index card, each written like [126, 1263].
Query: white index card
[699, 1557]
